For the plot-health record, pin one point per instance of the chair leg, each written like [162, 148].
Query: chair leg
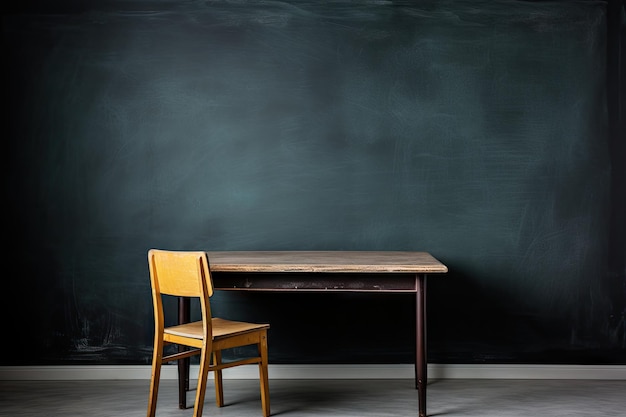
[205, 365]
[217, 375]
[264, 376]
[157, 360]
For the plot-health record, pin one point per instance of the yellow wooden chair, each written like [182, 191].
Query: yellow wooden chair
[187, 274]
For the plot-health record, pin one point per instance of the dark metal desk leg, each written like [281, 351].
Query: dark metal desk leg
[421, 366]
[184, 315]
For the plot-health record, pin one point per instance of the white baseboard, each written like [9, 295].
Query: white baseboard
[400, 371]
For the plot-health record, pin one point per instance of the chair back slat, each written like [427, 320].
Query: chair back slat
[180, 274]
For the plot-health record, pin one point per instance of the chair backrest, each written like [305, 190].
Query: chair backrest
[180, 274]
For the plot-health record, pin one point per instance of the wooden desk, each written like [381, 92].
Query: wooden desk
[355, 271]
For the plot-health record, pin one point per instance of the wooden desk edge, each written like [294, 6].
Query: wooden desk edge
[325, 261]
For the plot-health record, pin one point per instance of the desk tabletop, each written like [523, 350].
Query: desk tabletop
[325, 261]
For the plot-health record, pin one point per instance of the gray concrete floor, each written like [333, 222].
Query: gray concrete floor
[340, 398]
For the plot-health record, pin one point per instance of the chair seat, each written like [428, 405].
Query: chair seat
[221, 328]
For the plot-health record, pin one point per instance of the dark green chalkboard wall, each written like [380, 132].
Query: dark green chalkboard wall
[488, 133]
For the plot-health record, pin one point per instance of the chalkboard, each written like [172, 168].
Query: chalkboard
[475, 130]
